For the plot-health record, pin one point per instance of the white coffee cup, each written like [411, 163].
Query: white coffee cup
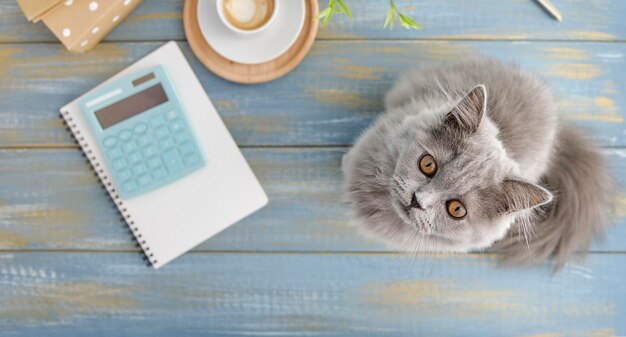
[222, 15]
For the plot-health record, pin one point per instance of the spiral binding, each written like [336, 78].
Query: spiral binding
[108, 186]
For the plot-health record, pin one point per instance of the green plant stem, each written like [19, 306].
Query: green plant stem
[339, 6]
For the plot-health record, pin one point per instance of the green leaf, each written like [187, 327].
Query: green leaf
[339, 6]
[323, 13]
[407, 22]
[327, 18]
[345, 8]
[389, 21]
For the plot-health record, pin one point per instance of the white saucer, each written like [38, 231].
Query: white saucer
[258, 48]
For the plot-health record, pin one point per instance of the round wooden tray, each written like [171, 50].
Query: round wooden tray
[250, 73]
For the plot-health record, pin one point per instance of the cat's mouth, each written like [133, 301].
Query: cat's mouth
[410, 211]
[418, 219]
[412, 216]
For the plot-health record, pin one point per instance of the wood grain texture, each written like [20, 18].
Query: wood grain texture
[56, 294]
[50, 200]
[598, 20]
[328, 100]
[295, 268]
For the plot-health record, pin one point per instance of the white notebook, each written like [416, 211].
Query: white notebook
[171, 220]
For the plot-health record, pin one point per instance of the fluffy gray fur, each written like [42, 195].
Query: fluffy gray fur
[533, 187]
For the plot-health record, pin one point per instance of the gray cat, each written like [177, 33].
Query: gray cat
[472, 156]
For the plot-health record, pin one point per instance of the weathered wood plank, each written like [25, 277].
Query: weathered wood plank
[327, 100]
[452, 19]
[59, 294]
[50, 200]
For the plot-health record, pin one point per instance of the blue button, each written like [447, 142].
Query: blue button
[120, 164]
[186, 148]
[176, 126]
[191, 159]
[144, 180]
[159, 173]
[140, 128]
[150, 151]
[130, 146]
[129, 186]
[144, 140]
[181, 137]
[135, 157]
[125, 175]
[166, 143]
[140, 169]
[157, 121]
[115, 152]
[161, 132]
[173, 161]
[109, 141]
[124, 135]
[171, 115]
[155, 162]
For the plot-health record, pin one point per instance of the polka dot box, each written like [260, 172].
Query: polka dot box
[78, 24]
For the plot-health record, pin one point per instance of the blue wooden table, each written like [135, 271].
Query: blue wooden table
[67, 263]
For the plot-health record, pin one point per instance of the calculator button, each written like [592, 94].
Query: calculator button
[191, 159]
[130, 146]
[157, 121]
[120, 164]
[135, 157]
[144, 140]
[155, 162]
[140, 128]
[186, 148]
[172, 160]
[140, 169]
[159, 173]
[110, 141]
[176, 126]
[129, 186]
[125, 175]
[124, 135]
[150, 151]
[171, 115]
[181, 138]
[144, 180]
[161, 132]
[166, 143]
[115, 152]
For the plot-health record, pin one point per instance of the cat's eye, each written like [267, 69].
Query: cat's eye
[427, 165]
[456, 209]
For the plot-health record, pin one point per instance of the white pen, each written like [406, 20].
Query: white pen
[550, 8]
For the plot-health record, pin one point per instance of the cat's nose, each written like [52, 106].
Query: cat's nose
[424, 199]
[414, 203]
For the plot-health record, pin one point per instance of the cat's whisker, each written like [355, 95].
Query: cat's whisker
[432, 258]
[528, 233]
[340, 150]
[358, 185]
[422, 251]
[425, 251]
[413, 254]
[337, 172]
[399, 183]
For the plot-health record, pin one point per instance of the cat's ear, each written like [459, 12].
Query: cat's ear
[466, 116]
[519, 195]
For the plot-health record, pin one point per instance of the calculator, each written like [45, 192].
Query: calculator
[142, 129]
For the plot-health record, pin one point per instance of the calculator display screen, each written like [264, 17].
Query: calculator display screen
[131, 106]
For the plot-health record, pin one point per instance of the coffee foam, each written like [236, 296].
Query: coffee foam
[248, 14]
